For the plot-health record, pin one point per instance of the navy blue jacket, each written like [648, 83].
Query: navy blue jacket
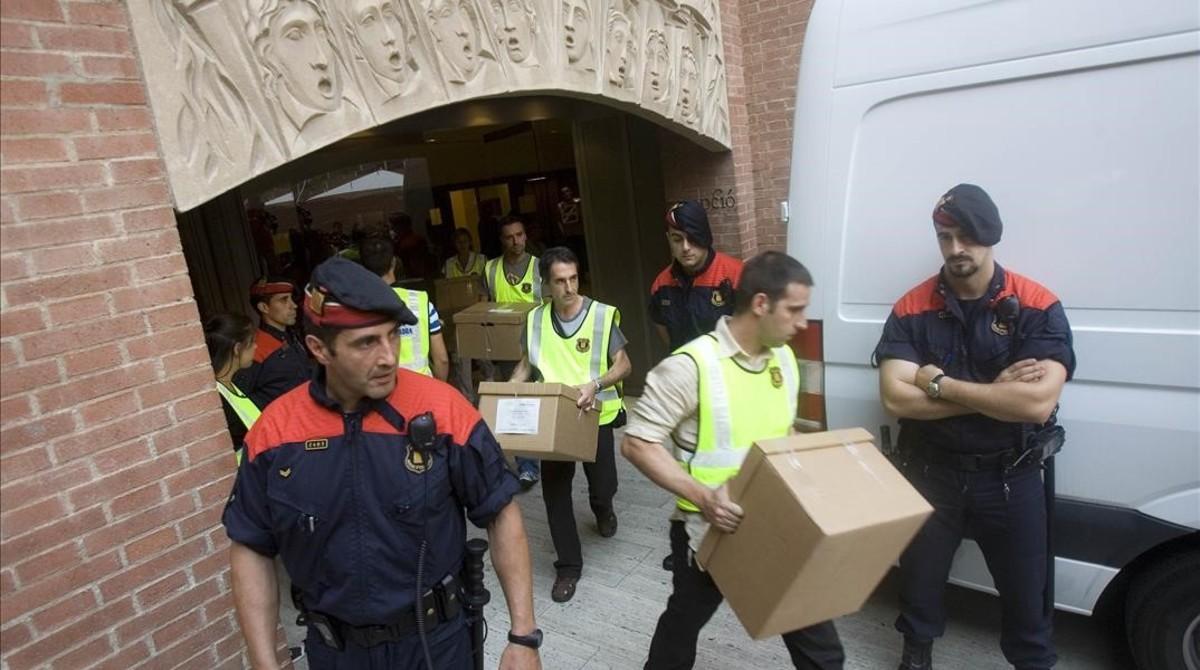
[346, 503]
[280, 364]
[930, 326]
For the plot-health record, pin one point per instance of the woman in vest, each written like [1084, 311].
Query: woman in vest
[230, 339]
[465, 262]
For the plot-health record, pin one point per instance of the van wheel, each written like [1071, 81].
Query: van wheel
[1162, 614]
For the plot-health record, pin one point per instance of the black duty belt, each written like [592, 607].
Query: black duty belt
[998, 460]
[439, 605]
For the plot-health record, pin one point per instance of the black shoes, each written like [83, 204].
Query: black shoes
[917, 655]
[563, 589]
[606, 523]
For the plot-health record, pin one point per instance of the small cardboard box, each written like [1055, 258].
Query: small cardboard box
[454, 295]
[491, 330]
[539, 420]
[826, 516]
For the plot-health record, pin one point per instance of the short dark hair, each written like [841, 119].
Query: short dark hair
[770, 273]
[510, 220]
[376, 255]
[463, 232]
[556, 255]
[327, 334]
[221, 333]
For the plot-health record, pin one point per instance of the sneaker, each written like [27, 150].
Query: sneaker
[527, 479]
[563, 589]
[606, 523]
[917, 655]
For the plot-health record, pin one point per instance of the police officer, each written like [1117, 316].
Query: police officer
[515, 276]
[696, 289]
[280, 360]
[972, 361]
[368, 519]
[422, 347]
[578, 341]
[712, 400]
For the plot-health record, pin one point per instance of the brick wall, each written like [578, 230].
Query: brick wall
[114, 459]
[762, 52]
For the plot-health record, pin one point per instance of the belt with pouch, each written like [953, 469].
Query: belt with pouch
[1040, 445]
[440, 604]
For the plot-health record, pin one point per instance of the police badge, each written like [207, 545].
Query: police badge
[582, 345]
[416, 462]
[776, 376]
[526, 287]
[718, 300]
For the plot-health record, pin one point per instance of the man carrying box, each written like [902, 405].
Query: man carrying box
[515, 277]
[576, 340]
[713, 399]
[422, 347]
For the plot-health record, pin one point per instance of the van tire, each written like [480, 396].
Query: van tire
[1162, 613]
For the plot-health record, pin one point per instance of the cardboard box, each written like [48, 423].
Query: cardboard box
[491, 330]
[539, 420]
[454, 295]
[826, 516]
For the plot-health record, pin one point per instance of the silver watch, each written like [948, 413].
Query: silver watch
[933, 389]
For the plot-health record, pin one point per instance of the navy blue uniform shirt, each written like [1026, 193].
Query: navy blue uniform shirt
[345, 502]
[689, 306]
[280, 364]
[973, 342]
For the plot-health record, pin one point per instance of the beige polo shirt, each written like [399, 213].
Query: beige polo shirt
[666, 413]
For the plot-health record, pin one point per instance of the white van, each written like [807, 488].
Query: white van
[1082, 120]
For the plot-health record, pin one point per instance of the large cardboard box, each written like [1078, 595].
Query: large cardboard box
[539, 420]
[826, 515]
[491, 330]
[454, 295]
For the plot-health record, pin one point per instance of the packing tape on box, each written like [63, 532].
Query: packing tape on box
[803, 480]
[858, 456]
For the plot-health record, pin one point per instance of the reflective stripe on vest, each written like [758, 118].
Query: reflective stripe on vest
[737, 407]
[244, 407]
[578, 359]
[502, 291]
[413, 352]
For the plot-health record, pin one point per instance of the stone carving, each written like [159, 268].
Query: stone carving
[238, 87]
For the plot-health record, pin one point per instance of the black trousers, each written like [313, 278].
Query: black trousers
[449, 645]
[693, 602]
[1006, 515]
[560, 509]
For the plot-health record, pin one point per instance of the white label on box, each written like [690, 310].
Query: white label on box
[517, 416]
[502, 310]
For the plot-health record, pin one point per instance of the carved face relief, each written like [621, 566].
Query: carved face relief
[381, 35]
[456, 29]
[689, 80]
[514, 28]
[577, 31]
[618, 49]
[301, 53]
[658, 63]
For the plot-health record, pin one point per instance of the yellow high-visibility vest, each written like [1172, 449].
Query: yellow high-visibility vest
[413, 352]
[243, 406]
[475, 266]
[578, 359]
[737, 407]
[528, 289]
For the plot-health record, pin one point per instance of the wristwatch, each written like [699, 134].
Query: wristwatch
[933, 389]
[599, 386]
[532, 640]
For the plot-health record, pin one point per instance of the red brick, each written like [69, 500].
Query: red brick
[109, 487]
[152, 269]
[177, 629]
[19, 322]
[26, 236]
[73, 338]
[212, 565]
[16, 522]
[37, 150]
[91, 626]
[102, 93]
[152, 395]
[41, 121]
[15, 266]
[7, 215]
[43, 485]
[52, 562]
[200, 474]
[110, 67]
[106, 357]
[30, 64]
[97, 13]
[126, 197]
[99, 442]
[136, 501]
[144, 245]
[137, 170]
[68, 286]
[218, 490]
[38, 178]
[187, 361]
[16, 35]
[201, 403]
[58, 615]
[85, 656]
[203, 522]
[37, 10]
[166, 610]
[19, 548]
[155, 294]
[173, 315]
[161, 589]
[162, 342]
[56, 259]
[49, 205]
[151, 545]
[195, 644]
[84, 39]
[107, 409]
[76, 310]
[113, 459]
[23, 464]
[28, 377]
[126, 658]
[20, 408]
[15, 636]
[190, 431]
[123, 119]
[115, 146]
